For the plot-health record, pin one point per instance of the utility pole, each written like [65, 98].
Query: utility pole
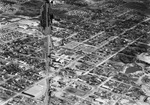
[46, 24]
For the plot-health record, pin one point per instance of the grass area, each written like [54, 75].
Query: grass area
[80, 3]
[1, 12]
[31, 8]
[8, 2]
